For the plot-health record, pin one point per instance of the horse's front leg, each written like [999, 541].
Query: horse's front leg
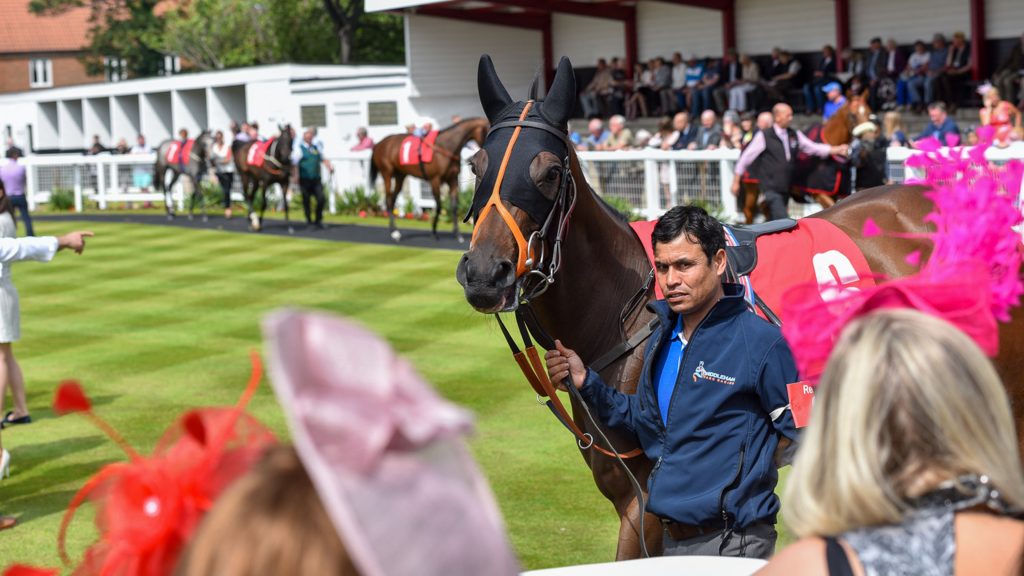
[453, 201]
[169, 193]
[284, 198]
[435, 188]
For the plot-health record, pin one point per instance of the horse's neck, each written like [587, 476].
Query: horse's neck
[454, 138]
[837, 130]
[603, 267]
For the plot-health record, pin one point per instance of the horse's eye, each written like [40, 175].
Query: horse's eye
[552, 175]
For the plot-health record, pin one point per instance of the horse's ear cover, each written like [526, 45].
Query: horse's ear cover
[493, 96]
[561, 99]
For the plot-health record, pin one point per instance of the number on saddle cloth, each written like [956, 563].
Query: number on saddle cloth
[258, 152]
[415, 150]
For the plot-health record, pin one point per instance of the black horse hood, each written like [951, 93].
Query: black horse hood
[517, 188]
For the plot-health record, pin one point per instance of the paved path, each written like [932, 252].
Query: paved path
[334, 232]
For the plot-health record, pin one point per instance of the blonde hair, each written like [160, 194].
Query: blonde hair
[906, 401]
[891, 122]
[270, 521]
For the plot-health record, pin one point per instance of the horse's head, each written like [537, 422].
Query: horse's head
[522, 173]
[203, 148]
[283, 151]
[839, 128]
[478, 129]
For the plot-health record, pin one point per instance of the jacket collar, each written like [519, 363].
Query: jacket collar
[731, 304]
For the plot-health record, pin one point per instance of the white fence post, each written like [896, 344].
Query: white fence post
[101, 182]
[725, 170]
[652, 190]
[78, 185]
[30, 187]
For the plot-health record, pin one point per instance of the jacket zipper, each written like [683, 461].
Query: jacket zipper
[664, 423]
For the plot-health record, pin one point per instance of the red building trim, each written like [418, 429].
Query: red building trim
[842, 31]
[729, 27]
[978, 69]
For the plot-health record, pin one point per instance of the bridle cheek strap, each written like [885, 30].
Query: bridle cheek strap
[495, 202]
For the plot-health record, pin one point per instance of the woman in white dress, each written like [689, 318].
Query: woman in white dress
[10, 329]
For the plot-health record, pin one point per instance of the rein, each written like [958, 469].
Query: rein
[528, 265]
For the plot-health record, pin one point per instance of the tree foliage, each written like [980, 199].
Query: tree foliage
[219, 34]
[119, 28]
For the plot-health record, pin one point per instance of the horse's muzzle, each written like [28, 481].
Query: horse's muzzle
[488, 283]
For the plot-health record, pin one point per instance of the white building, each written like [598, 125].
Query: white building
[336, 99]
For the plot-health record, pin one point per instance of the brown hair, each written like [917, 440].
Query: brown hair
[270, 521]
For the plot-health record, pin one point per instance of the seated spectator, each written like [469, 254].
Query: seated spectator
[936, 65]
[687, 132]
[643, 92]
[956, 73]
[824, 72]
[679, 91]
[912, 80]
[666, 135]
[874, 70]
[789, 74]
[709, 135]
[997, 113]
[834, 100]
[386, 485]
[1008, 76]
[730, 75]
[122, 147]
[619, 137]
[856, 69]
[596, 135]
[592, 99]
[749, 80]
[703, 93]
[895, 63]
[940, 126]
[616, 99]
[97, 147]
[910, 464]
[663, 86]
[363, 140]
[893, 130]
[694, 75]
[732, 133]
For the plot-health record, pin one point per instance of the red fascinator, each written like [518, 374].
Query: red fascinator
[972, 278]
[148, 508]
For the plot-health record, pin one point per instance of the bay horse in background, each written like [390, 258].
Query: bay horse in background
[443, 168]
[593, 297]
[276, 168]
[825, 180]
[196, 165]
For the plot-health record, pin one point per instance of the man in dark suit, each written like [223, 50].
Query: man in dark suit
[729, 75]
[686, 129]
[874, 69]
[709, 135]
[957, 71]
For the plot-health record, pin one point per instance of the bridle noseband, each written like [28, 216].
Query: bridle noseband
[528, 263]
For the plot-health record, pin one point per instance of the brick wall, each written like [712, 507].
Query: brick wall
[67, 71]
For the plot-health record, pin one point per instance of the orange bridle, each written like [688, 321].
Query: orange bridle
[525, 261]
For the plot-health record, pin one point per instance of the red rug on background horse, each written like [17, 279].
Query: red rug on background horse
[814, 251]
[415, 150]
[258, 152]
[178, 154]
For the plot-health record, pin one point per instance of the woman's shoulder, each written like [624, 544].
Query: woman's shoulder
[988, 544]
[805, 556]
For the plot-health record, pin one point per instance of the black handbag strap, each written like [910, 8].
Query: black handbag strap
[838, 563]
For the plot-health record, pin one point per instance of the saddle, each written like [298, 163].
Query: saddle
[258, 152]
[177, 154]
[416, 150]
[742, 257]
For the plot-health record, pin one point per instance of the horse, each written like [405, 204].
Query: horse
[823, 179]
[276, 169]
[547, 246]
[197, 164]
[443, 168]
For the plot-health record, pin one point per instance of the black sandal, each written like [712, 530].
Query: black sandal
[26, 419]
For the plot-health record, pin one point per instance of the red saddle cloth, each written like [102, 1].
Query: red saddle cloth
[415, 150]
[815, 251]
[258, 152]
[178, 154]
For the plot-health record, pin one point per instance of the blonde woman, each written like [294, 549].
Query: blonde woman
[893, 130]
[910, 464]
[998, 113]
